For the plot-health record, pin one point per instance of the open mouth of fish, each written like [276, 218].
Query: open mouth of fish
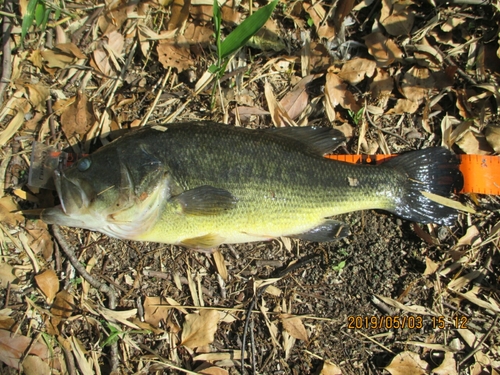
[74, 198]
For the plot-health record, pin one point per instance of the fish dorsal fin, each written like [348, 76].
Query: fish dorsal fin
[205, 200]
[320, 139]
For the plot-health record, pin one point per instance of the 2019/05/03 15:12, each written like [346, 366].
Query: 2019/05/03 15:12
[405, 321]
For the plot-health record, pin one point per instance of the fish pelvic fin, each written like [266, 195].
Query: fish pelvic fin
[435, 170]
[206, 242]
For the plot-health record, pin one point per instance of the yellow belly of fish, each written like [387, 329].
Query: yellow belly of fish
[243, 224]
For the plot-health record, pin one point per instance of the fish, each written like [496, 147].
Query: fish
[203, 184]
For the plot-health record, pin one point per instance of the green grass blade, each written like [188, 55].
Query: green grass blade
[28, 19]
[217, 25]
[239, 36]
[40, 13]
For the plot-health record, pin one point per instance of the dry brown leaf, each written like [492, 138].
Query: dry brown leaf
[296, 100]
[294, 326]
[472, 296]
[404, 106]
[336, 93]
[382, 85]
[61, 310]
[100, 61]
[38, 94]
[7, 211]
[81, 356]
[493, 137]
[34, 365]
[474, 144]
[408, 363]
[471, 237]
[171, 55]
[396, 17]
[14, 124]
[245, 113]
[218, 356]
[48, 283]
[201, 11]
[116, 42]
[62, 55]
[329, 368]
[342, 9]
[195, 35]
[14, 346]
[452, 22]
[7, 275]
[384, 50]
[220, 264]
[319, 58]
[208, 369]
[430, 266]
[179, 12]
[25, 195]
[278, 114]
[416, 83]
[464, 280]
[199, 329]
[41, 242]
[447, 124]
[155, 310]
[230, 13]
[318, 15]
[355, 70]
[78, 117]
[448, 366]
[70, 49]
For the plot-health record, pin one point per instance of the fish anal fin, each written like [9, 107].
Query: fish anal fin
[205, 242]
[330, 230]
[205, 200]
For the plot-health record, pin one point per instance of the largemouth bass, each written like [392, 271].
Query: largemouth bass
[204, 184]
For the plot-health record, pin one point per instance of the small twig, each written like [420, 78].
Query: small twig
[383, 130]
[103, 288]
[480, 344]
[67, 248]
[7, 53]
[7, 296]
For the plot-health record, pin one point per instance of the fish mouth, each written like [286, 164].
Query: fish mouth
[72, 195]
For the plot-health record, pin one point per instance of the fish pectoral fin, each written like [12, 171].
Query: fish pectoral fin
[205, 200]
[321, 140]
[330, 230]
[206, 241]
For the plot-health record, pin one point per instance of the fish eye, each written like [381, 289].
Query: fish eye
[84, 164]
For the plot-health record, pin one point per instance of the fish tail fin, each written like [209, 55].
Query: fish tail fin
[435, 170]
